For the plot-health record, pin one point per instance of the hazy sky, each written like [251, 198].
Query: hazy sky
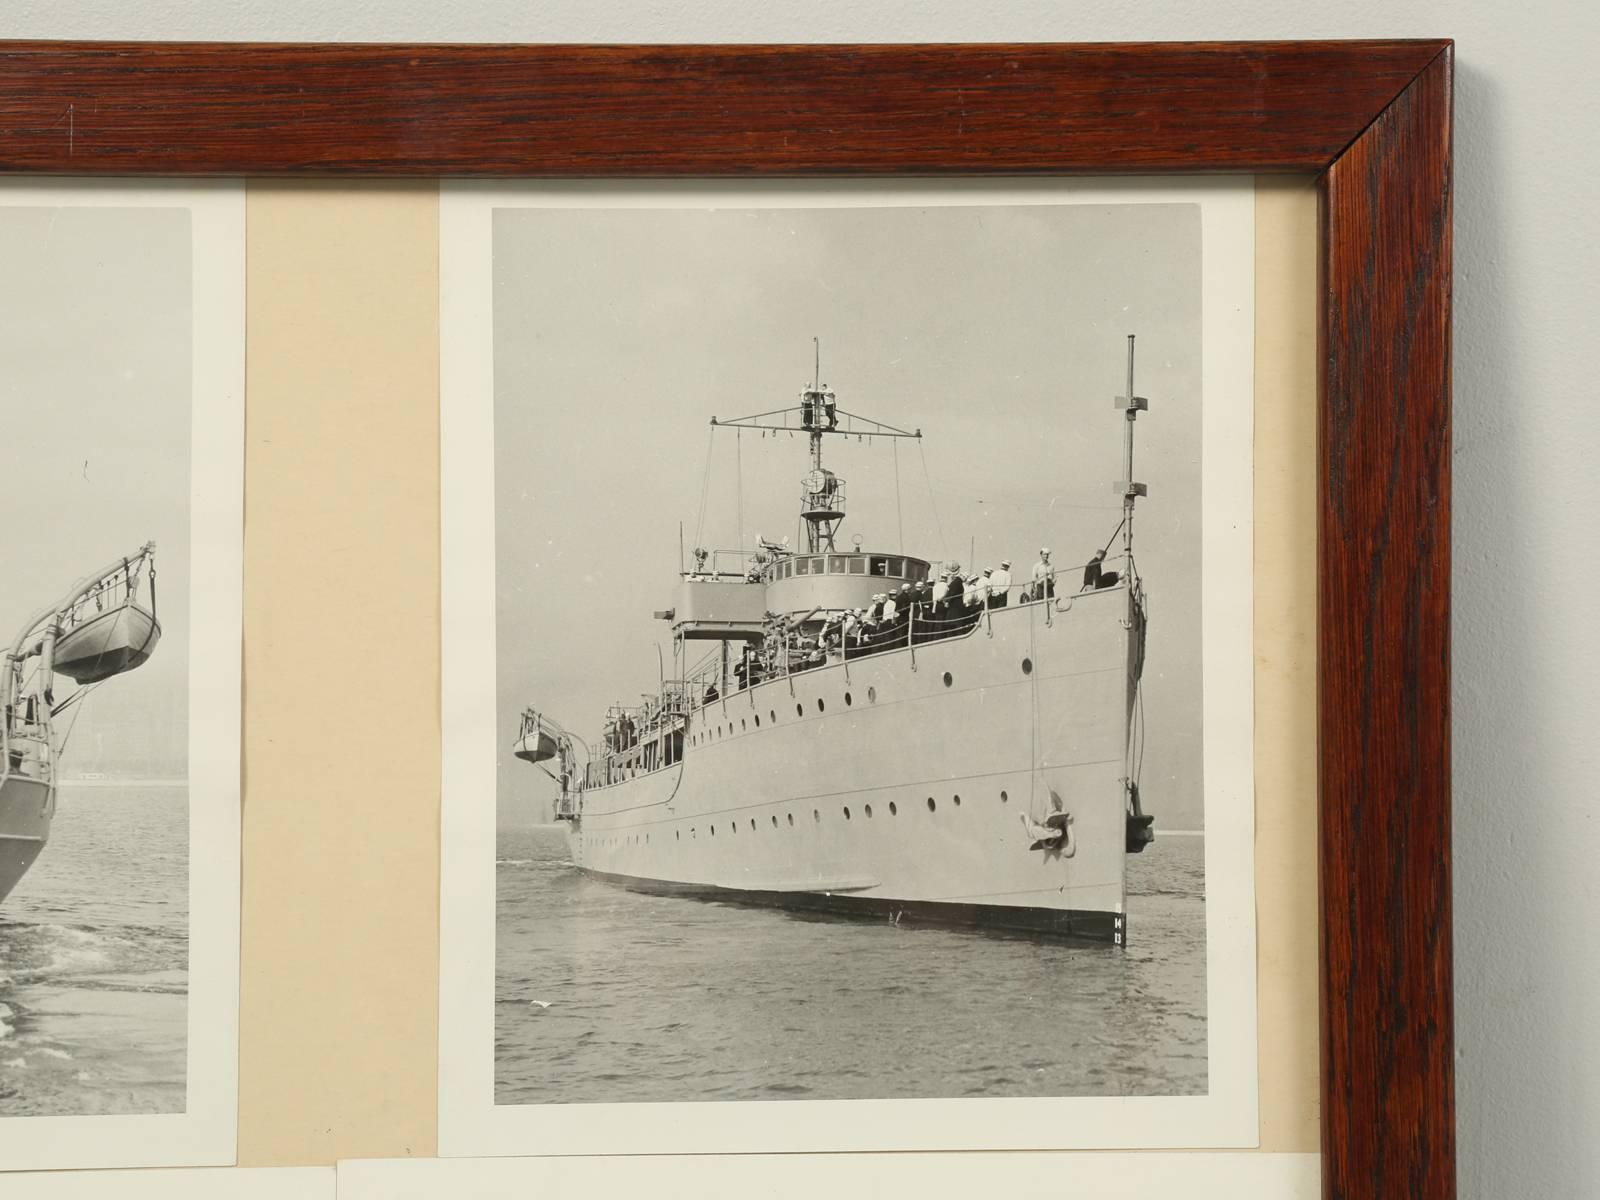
[998, 331]
[95, 334]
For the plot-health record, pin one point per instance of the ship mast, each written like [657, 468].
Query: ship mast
[1133, 405]
[822, 493]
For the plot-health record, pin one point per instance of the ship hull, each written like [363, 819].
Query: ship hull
[906, 785]
[26, 807]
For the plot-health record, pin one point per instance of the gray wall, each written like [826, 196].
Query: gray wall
[1527, 651]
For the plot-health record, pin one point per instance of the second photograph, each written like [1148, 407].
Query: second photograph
[849, 671]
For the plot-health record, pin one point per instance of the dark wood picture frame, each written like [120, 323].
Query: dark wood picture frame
[1372, 119]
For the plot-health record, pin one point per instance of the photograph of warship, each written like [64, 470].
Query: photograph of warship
[876, 734]
[104, 626]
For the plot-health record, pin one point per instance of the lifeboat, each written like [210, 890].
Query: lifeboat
[107, 643]
[535, 743]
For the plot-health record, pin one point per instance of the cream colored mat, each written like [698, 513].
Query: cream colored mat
[339, 993]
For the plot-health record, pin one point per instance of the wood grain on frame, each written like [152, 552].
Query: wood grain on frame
[1384, 667]
[1374, 117]
[199, 108]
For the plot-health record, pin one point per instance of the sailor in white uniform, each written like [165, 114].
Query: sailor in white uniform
[1044, 576]
[1000, 584]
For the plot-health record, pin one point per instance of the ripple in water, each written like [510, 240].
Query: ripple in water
[94, 960]
[605, 995]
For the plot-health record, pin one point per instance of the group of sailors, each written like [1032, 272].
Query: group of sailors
[922, 611]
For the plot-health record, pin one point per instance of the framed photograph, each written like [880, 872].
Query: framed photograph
[1125, 717]
[867, 841]
[122, 463]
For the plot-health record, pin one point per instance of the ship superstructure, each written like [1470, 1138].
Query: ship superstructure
[874, 733]
[105, 625]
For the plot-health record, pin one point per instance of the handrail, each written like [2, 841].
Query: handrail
[681, 698]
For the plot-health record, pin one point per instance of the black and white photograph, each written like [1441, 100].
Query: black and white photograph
[115, 603]
[851, 722]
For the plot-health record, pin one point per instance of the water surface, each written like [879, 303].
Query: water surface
[606, 995]
[94, 959]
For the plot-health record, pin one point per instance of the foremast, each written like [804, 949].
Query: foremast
[822, 493]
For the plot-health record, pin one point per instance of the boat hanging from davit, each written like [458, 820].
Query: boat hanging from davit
[102, 627]
[875, 733]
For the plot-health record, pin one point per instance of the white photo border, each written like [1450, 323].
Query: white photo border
[470, 1122]
[1041, 1175]
[205, 1133]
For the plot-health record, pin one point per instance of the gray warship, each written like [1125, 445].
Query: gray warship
[874, 734]
[105, 625]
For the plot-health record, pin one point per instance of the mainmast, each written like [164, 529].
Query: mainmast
[1133, 405]
[822, 498]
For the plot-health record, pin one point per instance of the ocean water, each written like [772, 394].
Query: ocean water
[606, 995]
[94, 959]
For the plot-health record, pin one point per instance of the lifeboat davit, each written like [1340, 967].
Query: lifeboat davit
[108, 643]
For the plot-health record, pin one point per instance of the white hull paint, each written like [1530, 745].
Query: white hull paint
[836, 788]
[107, 644]
[26, 808]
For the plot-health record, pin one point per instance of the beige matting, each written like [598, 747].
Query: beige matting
[339, 1009]
[339, 995]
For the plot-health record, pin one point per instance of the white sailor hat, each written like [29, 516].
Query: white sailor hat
[1004, 563]
[1045, 550]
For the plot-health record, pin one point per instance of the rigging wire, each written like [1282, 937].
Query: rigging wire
[738, 470]
[933, 501]
[61, 750]
[705, 489]
[1113, 536]
[899, 515]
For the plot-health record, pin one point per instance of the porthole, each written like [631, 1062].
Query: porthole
[713, 831]
[1004, 797]
[868, 810]
[816, 816]
[820, 705]
[677, 835]
[772, 716]
[742, 725]
[1027, 666]
[791, 818]
[774, 820]
[847, 700]
[894, 809]
[846, 812]
[958, 801]
[931, 805]
[752, 824]
[758, 720]
[799, 709]
[872, 695]
[948, 679]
